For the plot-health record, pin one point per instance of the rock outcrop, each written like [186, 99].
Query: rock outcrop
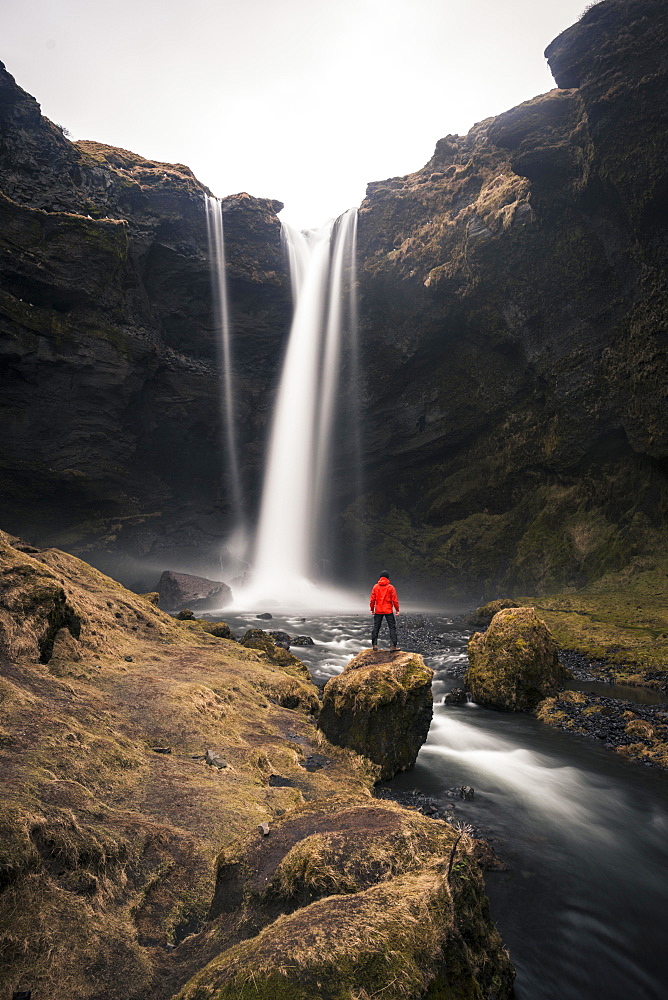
[349, 899]
[515, 663]
[516, 289]
[183, 590]
[381, 707]
[110, 381]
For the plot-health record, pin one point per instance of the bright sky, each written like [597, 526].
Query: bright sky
[301, 100]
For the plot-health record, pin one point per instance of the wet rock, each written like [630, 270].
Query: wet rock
[265, 615]
[281, 639]
[302, 640]
[466, 792]
[380, 706]
[455, 697]
[182, 590]
[515, 664]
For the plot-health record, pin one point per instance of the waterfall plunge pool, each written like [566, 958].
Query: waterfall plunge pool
[584, 904]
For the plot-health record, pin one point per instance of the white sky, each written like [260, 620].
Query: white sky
[297, 100]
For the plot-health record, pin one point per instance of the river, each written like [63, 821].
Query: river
[583, 907]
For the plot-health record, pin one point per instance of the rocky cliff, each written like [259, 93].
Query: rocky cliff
[513, 304]
[109, 391]
[514, 310]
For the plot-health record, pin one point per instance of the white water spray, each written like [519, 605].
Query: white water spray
[296, 476]
[215, 232]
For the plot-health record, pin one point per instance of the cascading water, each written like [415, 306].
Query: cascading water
[296, 476]
[215, 232]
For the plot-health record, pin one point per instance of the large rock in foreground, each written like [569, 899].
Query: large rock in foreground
[514, 665]
[371, 880]
[381, 706]
[180, 590]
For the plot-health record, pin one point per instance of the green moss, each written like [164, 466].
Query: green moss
[514, 665]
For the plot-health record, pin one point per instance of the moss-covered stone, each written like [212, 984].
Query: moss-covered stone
[380, 706]
[514, 665]
[483, 615]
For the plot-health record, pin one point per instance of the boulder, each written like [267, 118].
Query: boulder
[302, 640]
[256, 638]
[181, 590]
[366, 878]
[483, 615]
[514, 665]
[380, 706]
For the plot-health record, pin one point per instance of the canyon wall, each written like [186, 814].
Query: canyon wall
[513, 314]
[110, 381]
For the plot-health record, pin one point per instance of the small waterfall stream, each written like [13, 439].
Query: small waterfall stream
[216, 236]
[291, 523]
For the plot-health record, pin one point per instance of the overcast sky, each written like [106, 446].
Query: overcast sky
[301, 100]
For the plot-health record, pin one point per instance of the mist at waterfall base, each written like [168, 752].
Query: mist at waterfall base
[285, 564]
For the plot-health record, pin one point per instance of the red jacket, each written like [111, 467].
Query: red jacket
[383, 598]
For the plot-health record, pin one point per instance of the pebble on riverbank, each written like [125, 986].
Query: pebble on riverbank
[637, 731]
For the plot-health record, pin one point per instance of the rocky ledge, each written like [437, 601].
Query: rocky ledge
[380, 706]
[169, 807]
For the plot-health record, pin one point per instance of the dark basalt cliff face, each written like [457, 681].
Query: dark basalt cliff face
[109, 385]
[515, 315]
[513, 312]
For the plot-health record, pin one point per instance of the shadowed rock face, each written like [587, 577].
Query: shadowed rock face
[513, 303]
[110, 372]
[514, 665]
[515, 291]
[381, 706]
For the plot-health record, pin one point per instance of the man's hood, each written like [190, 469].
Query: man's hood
[383, 579]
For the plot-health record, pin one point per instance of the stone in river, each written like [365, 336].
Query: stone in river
[182, 590]
[381, 706]
[515, 664]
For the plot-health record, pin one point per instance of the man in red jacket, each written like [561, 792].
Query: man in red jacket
[383, 602]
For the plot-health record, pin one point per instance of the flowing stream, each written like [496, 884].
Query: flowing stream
[584, 904]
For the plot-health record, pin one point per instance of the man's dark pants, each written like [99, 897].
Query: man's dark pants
[377, 622]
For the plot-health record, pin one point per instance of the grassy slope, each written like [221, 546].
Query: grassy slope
[621, 619]
[110, 852]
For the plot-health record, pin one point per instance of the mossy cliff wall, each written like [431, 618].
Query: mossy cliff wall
[514, 313]
[109, 393]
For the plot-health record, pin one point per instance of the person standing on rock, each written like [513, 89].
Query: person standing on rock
[383, 603]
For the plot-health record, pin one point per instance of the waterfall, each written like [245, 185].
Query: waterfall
[296, 481]
[214, 225]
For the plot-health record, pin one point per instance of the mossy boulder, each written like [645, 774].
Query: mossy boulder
[515, 664]
[482, 616]
[348, 899]
[381, 706]
[256, 638]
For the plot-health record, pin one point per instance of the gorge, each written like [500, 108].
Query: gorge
[465, 380]
[514, 289]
